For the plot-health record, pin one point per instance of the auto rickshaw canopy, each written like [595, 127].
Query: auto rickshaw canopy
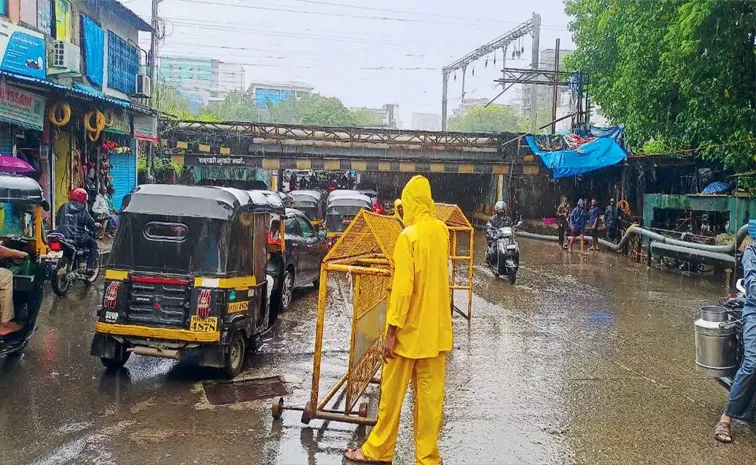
[188, 201]
[18, 188]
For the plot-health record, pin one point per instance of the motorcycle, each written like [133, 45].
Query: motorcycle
[507, 259]
[67, 264]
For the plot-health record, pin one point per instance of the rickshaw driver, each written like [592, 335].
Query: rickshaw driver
[73, 222]
[7, 325]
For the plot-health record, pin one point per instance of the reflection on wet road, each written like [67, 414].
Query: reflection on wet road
[588, 360]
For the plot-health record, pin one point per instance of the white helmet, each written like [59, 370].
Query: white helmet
[500, 206]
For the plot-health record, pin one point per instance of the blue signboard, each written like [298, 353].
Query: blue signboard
[22, 51]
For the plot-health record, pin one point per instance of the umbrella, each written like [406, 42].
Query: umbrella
[9, 164]
[716, 188]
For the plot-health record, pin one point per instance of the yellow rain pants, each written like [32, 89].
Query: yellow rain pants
[428, 376]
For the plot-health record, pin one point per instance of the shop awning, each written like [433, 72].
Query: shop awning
[79, 90]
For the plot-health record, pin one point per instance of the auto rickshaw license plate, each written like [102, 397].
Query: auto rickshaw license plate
[208, 324]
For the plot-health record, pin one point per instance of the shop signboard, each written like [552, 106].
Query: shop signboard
[145, 128]
[120, 123]
[218, 160]
[22, 51]
[21, 108]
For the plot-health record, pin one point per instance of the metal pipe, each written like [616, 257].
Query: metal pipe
[658, 239]
[684, 253]
[635, 229]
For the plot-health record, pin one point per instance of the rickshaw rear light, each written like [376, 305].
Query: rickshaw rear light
[111, 295]
[203, 304]
[55, 246]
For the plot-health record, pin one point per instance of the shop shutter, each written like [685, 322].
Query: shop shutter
[124, 176]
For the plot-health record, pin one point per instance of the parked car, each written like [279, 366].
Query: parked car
[300, 263]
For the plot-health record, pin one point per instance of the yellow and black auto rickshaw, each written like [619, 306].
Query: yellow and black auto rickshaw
[21, 205]
[312, 204]
[343, 207]
[187, 275]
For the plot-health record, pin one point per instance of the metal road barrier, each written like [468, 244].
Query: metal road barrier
[363, 257]
[459, 230]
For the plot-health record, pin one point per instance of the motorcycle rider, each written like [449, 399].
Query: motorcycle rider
[498, 221]
[77, 225]
[743, 387]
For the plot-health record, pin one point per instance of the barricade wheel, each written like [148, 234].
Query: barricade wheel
[277, 407]
[363, 409]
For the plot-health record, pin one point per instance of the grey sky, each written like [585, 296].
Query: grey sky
[338, 48]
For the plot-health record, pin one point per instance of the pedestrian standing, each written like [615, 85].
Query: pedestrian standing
[577, 225]
[743, 389]
[563, 210]
[611, 221]
[418, 335]
[593, 217]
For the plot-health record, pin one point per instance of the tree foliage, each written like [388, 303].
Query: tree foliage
[679, 74]
[494, 118]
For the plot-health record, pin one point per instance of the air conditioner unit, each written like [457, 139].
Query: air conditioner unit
[143, 86]
[66, 59]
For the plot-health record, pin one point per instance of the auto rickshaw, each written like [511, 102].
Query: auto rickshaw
[312, 204]
[343, 206]
[186, 276]
[21, 205]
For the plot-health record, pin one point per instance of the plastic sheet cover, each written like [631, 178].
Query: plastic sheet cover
[572, 155]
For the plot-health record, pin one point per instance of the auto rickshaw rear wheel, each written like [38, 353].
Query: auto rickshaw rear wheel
[277, 407]
[234, 356]
[116, 363]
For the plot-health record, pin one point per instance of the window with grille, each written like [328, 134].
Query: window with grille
[123, 64]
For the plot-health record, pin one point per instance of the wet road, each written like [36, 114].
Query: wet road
[586, 361]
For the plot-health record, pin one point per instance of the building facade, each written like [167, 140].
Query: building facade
[426, 121]
[201, 80]
[265, 93]
[74, 99]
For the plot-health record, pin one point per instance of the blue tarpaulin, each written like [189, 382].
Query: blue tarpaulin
[567, 158]
[94, 50]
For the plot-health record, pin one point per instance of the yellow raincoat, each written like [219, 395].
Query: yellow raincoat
[419, 309]
[399, 218]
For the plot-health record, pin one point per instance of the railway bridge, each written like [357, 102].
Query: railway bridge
[470, 169]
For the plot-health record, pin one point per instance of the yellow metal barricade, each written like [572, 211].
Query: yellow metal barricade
[459, 229]
[364, 256]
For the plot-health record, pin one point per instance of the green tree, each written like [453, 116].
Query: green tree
[367, 117]
[237, 106]
[677, 73]
[494, 118]
[327, 111]
[168, 100]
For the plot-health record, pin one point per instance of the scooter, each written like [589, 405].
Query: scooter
[67, 264]
[507, 260]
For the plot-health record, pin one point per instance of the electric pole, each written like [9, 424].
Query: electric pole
[152, 64]
[534, 65]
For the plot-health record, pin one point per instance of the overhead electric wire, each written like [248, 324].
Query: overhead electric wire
[332, 14]
[493, 22]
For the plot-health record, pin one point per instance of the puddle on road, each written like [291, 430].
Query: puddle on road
[224, 393]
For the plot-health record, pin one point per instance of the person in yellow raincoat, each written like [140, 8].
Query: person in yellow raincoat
[418, 334]
[399, 211]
